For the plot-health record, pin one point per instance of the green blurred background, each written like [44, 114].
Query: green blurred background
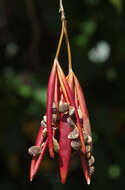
[29, 33]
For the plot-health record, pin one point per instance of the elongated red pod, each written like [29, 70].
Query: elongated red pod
[40, 157]
[56, 93]
[76, 98]
[85, 169]
[65, 147]
[50, 97]
[40, 137]
[72, 102]
[38, 142]
[81, 98]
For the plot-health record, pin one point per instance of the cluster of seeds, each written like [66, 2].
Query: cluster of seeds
[69, 112]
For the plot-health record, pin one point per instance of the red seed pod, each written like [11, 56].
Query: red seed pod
[83, 107]
[50, 98]
[39, 159]
[72, 103]
[65, 147]
[85, 168]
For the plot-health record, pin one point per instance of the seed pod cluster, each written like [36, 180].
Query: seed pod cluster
[65, 128]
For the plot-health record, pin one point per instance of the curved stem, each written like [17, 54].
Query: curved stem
[60, 41]
[64, 32]
[68, 47]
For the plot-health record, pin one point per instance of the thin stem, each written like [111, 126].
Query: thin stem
[64, 32]
[60, 41]
[61, 10]
[68, 47]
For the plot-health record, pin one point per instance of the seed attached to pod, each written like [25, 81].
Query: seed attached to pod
[54, 118]
[56, 145]
[79, 113]
[71, 110]
[54, 110]
[75, 145]
[85, 137]
[43, 123]
[70, 122]
[74, 134]
[45, 118]
[34, 150]
[91, 161]
[89, 140]
[63, 107]
[44, 132]
[88, 155]
[88, 148]
[91, 170]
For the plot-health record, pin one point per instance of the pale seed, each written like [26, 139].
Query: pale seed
[63, 107]
[45, 118]
[56, 145]
[91, 161]
[71, 110]
[88, 155]
[75, 145]
[80, 113]
[34, 150]
[74, 134]
[43, 123]
[70, 122]
[91, 170]
[88, 148]
[44, 132]
[89, 140]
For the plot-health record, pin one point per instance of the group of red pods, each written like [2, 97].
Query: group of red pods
[65, 128]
